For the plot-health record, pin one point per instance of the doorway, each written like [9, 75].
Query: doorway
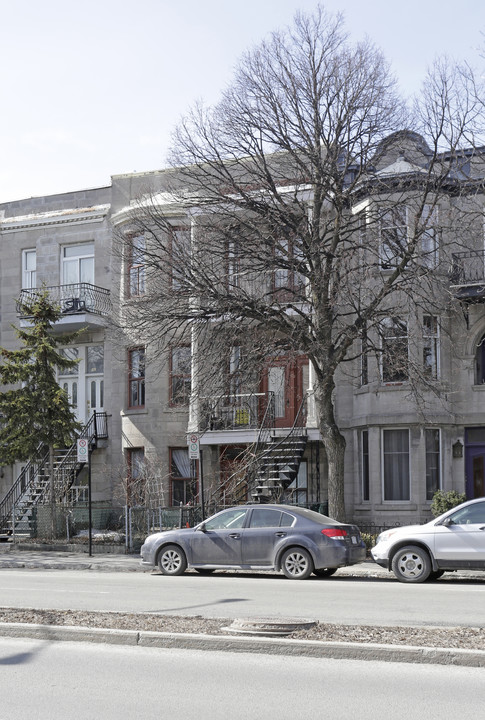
[475, 462]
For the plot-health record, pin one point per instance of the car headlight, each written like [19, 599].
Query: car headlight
[385, 536]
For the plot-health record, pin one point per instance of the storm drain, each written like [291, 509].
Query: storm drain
[268, 626]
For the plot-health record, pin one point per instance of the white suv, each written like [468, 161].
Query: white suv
[452, 541]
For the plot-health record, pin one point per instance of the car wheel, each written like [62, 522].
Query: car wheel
[411, 564]
[324, 572]
[297, 564]
[435, 575]
[204, 571]
[172, 560]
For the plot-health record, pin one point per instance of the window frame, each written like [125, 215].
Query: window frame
[136, 270]
[79, 257]
[389, 260]
[29, 277]
[383, 465]
[396, 339]
[429, 257]
[431, 489]
[131, 479]
[184, 376]
[365, 465]
[175, 248]
[190, 485]
[433, 341]
[138, 380]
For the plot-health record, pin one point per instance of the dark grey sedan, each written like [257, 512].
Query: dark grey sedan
[258, 537]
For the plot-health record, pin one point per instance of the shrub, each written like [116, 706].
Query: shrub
[443, 501]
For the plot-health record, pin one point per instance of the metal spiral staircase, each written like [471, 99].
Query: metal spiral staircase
[33, 486]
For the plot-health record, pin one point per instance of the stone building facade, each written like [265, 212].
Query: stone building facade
[401, 446]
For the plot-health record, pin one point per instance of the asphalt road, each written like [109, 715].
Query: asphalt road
[68, 681]
[362, 601]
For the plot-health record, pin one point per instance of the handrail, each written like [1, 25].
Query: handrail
[22, 484]
[64, 474]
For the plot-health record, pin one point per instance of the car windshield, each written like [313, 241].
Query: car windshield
[227, 519]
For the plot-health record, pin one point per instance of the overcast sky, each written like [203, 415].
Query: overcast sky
[92, 89]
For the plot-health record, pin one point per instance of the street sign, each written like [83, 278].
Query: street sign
[82, 450]
[194, 447]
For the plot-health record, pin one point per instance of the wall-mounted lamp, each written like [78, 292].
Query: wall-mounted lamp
[458, 449]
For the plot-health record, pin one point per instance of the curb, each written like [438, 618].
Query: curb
[262, 645]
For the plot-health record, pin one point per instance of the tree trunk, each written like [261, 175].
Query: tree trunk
[334, 444]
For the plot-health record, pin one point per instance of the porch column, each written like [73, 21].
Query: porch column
[311, 420]
[193, 424]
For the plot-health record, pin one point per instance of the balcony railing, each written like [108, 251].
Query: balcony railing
[73, 299]
[235, 412]
[468, 267]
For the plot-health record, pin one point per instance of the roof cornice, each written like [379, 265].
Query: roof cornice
[71, 216]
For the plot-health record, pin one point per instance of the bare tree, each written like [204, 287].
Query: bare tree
[308, 213]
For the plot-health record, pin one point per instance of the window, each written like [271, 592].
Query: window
[433, 474]
[180, 375]
[136, 378]
[431, 346]
[470, 515]
[299, 487]
[430, 237]
[29, 268]
[78, 264]
[230, 519]
[180, 256]
[136, 267]
[396, 465]
[364, 357]
[288, 280]
[364, 449]
[135, 486]
[265, 517]
[394, 237]
[183, 486]
[480, 362]
[394, 340]
[233, 263]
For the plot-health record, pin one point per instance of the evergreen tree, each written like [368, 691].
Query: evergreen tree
[38, 409]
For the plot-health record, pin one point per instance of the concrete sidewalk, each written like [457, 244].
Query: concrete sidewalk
[13, 557]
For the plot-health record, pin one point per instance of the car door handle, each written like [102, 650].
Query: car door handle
[235, 536]
[280, 534]
[482, 528]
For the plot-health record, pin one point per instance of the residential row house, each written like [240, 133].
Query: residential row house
[400, 447]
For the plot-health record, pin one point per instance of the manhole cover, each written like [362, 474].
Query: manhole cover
[268, 626]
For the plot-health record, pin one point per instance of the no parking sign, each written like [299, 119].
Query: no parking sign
[82, 450]
[194, 446]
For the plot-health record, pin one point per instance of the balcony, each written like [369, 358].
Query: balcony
[234, 412]
[81, 304]
[468, 275]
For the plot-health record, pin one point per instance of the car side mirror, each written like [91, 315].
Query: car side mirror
[201, 527]
[447, 522]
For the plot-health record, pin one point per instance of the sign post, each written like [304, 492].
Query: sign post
[83, 456]
[195, 453]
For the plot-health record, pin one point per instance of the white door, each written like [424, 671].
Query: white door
[94, 395]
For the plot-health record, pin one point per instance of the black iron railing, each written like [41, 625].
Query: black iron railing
[242, 411]
[72, 299]
[468, 267]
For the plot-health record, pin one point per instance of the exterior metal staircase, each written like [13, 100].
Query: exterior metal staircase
[273, 461]
[33, 486]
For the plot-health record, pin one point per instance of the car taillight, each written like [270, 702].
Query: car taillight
[334, 532]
